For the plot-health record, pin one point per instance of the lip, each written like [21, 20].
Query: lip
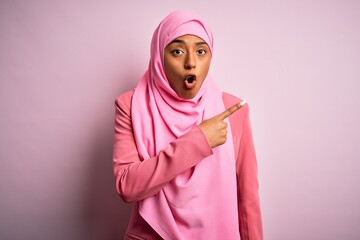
[190, 81]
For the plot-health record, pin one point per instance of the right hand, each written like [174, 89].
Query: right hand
[215, 128]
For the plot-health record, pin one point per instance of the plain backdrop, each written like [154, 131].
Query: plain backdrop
[63, 63]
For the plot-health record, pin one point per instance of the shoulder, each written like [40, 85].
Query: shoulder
[123, 102]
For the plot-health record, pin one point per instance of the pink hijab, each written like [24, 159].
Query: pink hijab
[200, 203]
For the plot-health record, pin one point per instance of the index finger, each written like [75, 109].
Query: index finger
[231, 110]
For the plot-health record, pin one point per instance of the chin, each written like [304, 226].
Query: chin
[187, 95]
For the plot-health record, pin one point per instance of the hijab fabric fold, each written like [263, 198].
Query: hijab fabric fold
[200, 203]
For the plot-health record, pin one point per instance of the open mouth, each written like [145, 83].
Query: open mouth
[190, 81]
[190, 78]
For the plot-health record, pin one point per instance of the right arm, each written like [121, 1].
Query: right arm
[137, 179]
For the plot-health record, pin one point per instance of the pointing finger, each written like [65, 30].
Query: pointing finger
[231, 110]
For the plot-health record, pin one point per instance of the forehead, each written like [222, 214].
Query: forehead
[188, 40]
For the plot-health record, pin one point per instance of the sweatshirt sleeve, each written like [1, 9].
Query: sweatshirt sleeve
[135, 179]
[248, 187]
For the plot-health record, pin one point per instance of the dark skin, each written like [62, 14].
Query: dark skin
[215, 129]
[190, 55]
[184, 56]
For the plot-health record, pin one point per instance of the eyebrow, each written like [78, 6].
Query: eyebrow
[182, 42]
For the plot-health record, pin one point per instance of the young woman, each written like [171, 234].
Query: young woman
[183, 149]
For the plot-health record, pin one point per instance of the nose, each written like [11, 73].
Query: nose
[190, 61]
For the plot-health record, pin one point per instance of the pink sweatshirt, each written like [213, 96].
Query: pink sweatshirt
[136, 179]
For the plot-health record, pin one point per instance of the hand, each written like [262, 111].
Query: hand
[215, 127]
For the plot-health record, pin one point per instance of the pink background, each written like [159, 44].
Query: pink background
[62, 64]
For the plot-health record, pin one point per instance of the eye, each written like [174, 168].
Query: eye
[201, 52]
[177, 52]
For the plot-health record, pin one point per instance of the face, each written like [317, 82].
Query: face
[186, 63]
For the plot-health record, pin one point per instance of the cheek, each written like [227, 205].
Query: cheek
[167, 67]
[169, 64]
[206, 67]
[170, 73]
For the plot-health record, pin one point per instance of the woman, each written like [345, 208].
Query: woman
[183, 149]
